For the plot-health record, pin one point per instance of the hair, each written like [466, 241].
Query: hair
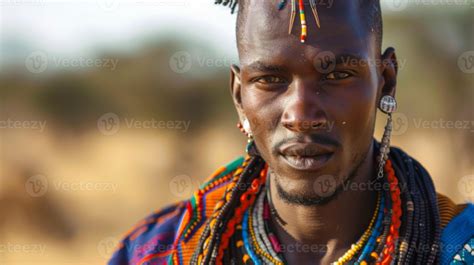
[417, 244]
[374, 18]
[370, 8]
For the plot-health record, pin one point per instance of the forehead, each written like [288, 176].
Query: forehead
[264, 32]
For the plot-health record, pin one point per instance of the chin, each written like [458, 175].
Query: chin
[307, 192]
[307, 187]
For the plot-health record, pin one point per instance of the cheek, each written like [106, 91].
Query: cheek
[251, 100]
[355, 110]
[262, 110]
[261, 107]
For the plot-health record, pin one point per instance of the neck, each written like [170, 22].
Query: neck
[329, 228]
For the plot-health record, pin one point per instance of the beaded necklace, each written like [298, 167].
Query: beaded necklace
[408, 233]
[261, 246]
[263, 237]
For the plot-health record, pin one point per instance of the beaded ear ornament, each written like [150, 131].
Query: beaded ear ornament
[304, 31]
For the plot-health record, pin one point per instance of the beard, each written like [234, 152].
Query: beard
[320, 197]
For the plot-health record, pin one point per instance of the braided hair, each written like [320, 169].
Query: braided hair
[231, 3]
[243, 179]
[421, 227]
[419, 233]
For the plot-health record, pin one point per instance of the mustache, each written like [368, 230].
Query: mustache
[312, 138]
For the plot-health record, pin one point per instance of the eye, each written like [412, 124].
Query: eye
[270, 79]
[337, 76]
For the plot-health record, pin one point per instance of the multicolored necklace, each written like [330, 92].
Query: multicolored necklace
[376, 245]
[221, 240]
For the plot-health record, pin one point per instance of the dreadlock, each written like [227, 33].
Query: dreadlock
[231, 3]
[215, 225]
[419, 234]
[421, 230]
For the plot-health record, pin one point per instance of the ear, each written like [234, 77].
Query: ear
[235, 90]
[389, 73]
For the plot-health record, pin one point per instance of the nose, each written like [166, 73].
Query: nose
[303, 112]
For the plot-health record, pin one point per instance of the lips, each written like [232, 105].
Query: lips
[306, 156]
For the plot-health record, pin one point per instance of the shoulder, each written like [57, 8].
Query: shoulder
[457, 238]
[153, 234]
[155, 238]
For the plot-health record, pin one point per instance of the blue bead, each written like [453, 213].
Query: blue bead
[245, 236]
[282, 4]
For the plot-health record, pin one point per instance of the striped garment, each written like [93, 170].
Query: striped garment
[170, 236]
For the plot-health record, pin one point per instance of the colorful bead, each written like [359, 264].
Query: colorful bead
[303, 22]
[304, 28]
[247, 244]
[360, 243]
[374, 236]
[262, 246]
[465, 255]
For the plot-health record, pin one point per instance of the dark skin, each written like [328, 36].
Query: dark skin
[288, 100]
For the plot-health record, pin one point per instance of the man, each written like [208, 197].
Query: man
[315, 187]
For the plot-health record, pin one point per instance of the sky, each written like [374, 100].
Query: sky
[75, 28]
[78, 27]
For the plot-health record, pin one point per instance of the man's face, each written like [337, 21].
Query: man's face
[311, 106]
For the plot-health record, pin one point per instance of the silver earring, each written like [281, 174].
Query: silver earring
[388, 105]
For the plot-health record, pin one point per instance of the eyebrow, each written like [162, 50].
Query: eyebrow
[348, 57]
[264, 67]
[339, 59]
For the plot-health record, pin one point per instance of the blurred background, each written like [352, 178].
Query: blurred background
[111, 109]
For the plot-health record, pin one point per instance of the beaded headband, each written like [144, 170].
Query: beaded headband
[304, 31]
